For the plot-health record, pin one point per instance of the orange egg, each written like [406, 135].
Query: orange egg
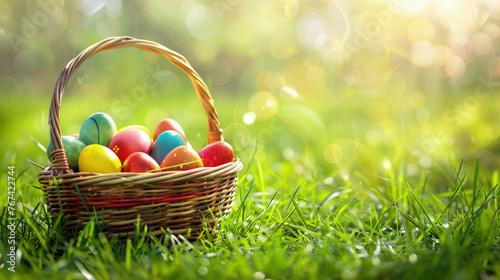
[181, 158]
[169, 124]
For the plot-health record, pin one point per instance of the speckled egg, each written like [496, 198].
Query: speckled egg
[181, 158]
[130, 141]
[164, 143]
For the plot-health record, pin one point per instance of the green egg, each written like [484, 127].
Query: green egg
[99, 128]
[73, 147]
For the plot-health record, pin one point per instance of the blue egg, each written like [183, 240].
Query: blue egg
[164, 143]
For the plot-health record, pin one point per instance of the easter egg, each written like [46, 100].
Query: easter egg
[216, 154]
[99, 159]
[76, 135]
[140, 162]
[99, 128]
[181, 158]
[73, 147]
[169, 124]
[130, 141]
[143, 128]
[164, 143]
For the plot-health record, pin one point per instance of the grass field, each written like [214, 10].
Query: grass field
[296, 216]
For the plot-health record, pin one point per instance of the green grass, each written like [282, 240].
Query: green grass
[296, 215]
[396, 229]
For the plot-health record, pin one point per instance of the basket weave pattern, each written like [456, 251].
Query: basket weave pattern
[175, 201]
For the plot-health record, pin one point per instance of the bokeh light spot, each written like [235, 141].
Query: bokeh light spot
[481, 43]
[288, 93]
[91, 7]
[422, 53]
[264, 105]
[374, 136]
[377, 113]
[423, 115]
[421, 29]
[441, 55]
[417, 100]
[47, 61]
[267, 28]
[387, 164]
[282, 45]
[291, 8]
[288, 153]
[333, 153]
[377, 70]
[312, 32]
[396, 86]
[316, 76]
[202, 270]
[492, 30]
[425, 161]
[222, 73]
[268, 80]
[237, 135]
[114, 6]
[202, 22]
[481, 135]
[249, 118]
[455, 68]
[345, 174]
[25, 62]
[4, 41]
[108, 26]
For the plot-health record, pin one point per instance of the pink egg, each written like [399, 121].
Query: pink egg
[216, 154]
[130, 141]
[140, 162]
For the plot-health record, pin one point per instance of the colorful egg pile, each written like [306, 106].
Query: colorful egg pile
[101, 148]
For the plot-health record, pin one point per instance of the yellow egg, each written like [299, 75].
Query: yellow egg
[99, 159]
[143, 128]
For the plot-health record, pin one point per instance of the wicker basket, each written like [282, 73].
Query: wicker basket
[179, 202]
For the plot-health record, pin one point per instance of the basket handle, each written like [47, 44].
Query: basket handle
[58, 155]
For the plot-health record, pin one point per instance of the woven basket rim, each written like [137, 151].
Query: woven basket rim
[48, 178]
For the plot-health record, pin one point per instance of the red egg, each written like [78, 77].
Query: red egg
[76, 135]
[130, 141]
[169, 124]
[181, 158]
[140, 162]
[216, 154]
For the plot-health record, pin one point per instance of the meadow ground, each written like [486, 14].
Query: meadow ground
[296, 215]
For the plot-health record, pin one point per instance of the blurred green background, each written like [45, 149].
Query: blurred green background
[335, 89]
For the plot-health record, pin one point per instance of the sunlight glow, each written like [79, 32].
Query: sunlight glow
[387, 164]
[249, 118]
